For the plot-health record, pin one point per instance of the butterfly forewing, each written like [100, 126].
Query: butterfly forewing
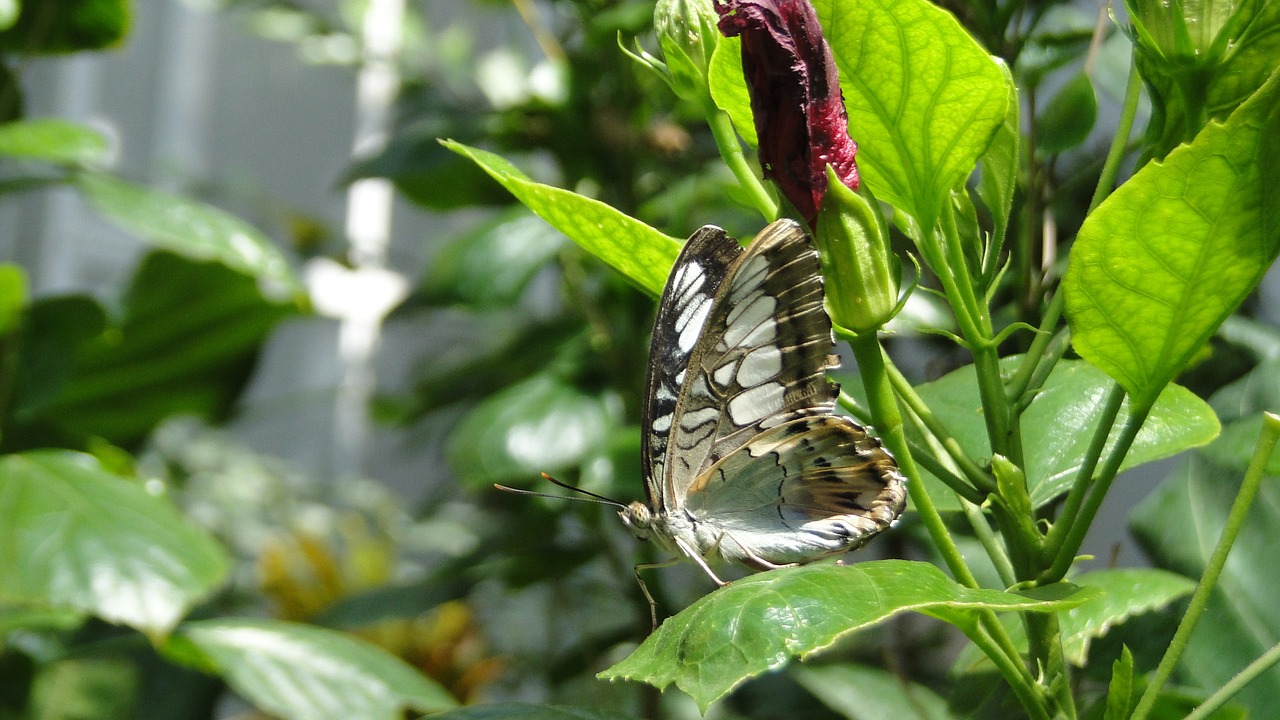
[760, 361]
[682, 313]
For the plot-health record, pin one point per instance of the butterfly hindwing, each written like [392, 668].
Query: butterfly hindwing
[686, 303]
[760, 360]
[809, 487]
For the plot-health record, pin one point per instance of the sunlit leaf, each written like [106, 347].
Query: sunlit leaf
[53, 140]
[13, 297]
[641, 253]
[761, 622]
[303, 671]
[729, 88]
[924, 98]
[189, 228]
[75, 536]
[1176, 249]
[1057, 426]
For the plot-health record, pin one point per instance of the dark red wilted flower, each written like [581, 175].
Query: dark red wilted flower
[795, 95]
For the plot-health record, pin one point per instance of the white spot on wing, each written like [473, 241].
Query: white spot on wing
[662, 424]
[690, 322]
[724, 374]
[693, 419]
[756, 404]
[759, 365]
[749, 277]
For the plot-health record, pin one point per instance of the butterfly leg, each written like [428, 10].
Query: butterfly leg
[698, 558]
[653, 606]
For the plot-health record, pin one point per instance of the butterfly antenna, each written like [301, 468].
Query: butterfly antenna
[591, 497]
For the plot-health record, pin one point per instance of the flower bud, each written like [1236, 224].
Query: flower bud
[860, 272]
[687, 33]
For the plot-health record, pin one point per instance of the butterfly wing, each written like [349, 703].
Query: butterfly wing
[686, 303]
[809, 487]
[760, 361]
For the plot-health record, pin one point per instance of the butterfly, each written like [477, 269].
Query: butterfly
[744, 458]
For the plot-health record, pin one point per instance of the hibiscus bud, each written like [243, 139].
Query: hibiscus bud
[687, 33]
[859, 270]
[799, 113]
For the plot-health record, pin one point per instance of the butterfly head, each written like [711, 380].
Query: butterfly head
[638, 518]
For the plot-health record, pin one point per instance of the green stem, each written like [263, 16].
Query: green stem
[1219, 698]
[972, 472]
[1013, 671]
[888, 423]
[1068, 530]
[990, 543]
[1021, 379]
[731, 151]
[1213, 570]
[1120, 141]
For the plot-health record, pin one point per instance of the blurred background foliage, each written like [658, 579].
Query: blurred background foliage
[534, 363]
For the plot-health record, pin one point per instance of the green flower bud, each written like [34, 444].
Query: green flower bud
[687, 32]
[860, 272]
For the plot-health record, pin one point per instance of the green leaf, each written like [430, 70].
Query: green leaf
[541, 424]
[492, 265]
[53, 140]
[729, 88]
[522, 711]
[48, 27]
[639, 252]
[1058, 424]
[75, 536]
[85, 689]
[1178, 526]
[1069, 117]
[1126, 592]
[859, 692]
[1120, 691]
[924, 98]
[187, 344]
[190, 228]
[303, 671]
[1176, 249]
[9, 10]
[760, 622]
[13, 297]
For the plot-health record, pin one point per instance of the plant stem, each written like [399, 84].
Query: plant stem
[1220, 697]
[1021, 379]
[731, 151]
[1213, 569]
[1110, 168]
[1067, 517]
[1016, 675]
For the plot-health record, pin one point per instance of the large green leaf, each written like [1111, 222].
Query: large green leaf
[760, 622]
[1176, 249]
[924, 98]
[53, 140]
[187, 343]
[1126, 592]
[641, 253]
[522, 711]
[541, 424]
[76, 536]
[1057, 426]
[729, 87]
[190, 228]
[303, 671]
[859, 692]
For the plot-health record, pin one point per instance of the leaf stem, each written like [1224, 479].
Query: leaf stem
[731, 151]
[1213, 570]
[1037, 353]
[1017, 676]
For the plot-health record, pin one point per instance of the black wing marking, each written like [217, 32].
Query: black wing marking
[686, 302]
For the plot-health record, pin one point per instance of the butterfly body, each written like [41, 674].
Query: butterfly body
[745, 461]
